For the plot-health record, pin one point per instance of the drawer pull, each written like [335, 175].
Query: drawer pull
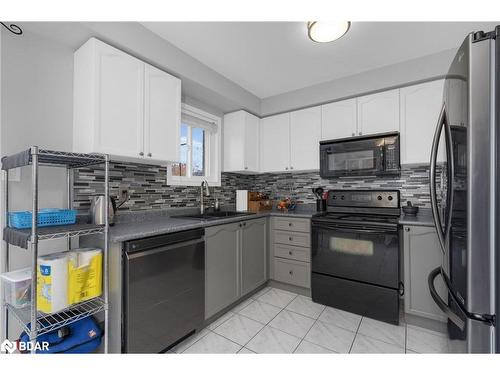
[290, 272]
[290, 224]
[290, 238]
[290, 253]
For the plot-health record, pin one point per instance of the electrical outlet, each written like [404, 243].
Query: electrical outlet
[124, 194]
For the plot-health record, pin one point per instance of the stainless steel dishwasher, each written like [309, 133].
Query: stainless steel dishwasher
[164, 290]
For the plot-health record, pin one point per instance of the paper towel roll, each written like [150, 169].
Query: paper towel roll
[85, 255]
[53, 282]
[241, 200]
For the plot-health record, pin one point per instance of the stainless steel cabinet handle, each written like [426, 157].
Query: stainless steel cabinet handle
[141, 153]
[150, 154]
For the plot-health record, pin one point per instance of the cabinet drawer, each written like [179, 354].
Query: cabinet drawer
[292, 272]
[292, 238]
[296, 225]
[292, 252]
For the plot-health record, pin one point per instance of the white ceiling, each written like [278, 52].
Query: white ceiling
[271, 58]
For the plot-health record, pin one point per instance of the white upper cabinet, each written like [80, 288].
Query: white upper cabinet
[275, 143]
[162, 115]
[241, 142]
[378, 113]
[339, 120]
[123, 106]
[305, 134]
[420, 108]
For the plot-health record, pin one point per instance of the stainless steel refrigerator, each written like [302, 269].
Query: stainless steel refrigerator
[464, 195]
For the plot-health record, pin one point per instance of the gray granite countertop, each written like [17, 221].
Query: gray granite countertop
[423, 218]
[140, 224]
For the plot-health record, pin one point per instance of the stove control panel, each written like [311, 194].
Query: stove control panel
[364, 198]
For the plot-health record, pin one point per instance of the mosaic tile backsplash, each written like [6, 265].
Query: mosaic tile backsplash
[148, 186]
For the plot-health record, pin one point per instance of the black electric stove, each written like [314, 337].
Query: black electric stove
[356, 252]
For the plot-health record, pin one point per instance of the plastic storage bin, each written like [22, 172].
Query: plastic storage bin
[46, 217]
[17, 287]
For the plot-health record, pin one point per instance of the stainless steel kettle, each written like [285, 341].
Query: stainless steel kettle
[98, 210]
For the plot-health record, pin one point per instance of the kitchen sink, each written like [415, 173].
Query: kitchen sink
[214, 215]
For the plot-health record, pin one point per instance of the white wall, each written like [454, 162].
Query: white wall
[36, 109]
[198, 80]
[402, 74]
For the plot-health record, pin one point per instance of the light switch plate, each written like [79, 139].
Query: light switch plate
[15, 175]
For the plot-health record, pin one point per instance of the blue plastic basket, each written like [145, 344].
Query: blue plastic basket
[46, 217]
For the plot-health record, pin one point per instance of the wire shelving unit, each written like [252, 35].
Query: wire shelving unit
[33, 322]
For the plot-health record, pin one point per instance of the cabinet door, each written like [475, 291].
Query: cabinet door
[422, 254]
[251, 143]
[378, 113]
[253, 255]
[162, 117]
[120, 103]
[339, 120]
[420, 107]
[305, 133]
[222, 261]
[275, 143]
[234, 141]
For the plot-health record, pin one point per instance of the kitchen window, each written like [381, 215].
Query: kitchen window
[199, 142]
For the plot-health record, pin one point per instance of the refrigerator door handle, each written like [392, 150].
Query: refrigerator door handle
[450, 177]
[439, 301]
[432, 177]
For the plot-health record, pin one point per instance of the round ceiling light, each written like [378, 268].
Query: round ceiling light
[323, 31]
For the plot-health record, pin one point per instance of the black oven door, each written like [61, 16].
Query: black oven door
[362, 254]
[353, 157]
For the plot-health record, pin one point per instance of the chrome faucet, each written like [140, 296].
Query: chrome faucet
[204, 184]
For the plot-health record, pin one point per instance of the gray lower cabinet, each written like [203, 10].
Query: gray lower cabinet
[235, 262]
[253, 255]
[222, 280]
[422, 254]
[290, 257]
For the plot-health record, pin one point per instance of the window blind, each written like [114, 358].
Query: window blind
[209, 126]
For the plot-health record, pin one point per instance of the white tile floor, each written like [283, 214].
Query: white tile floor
[277, 321]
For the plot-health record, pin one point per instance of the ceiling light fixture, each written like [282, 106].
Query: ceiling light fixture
[323, 31]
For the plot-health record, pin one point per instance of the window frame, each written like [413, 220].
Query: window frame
[213, 160]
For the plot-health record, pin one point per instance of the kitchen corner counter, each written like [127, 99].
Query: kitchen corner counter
[154, 223]
[423, 218]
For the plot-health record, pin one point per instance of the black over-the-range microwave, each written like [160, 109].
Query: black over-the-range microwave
[374, 155]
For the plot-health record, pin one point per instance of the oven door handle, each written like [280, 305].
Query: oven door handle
[356, 230]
